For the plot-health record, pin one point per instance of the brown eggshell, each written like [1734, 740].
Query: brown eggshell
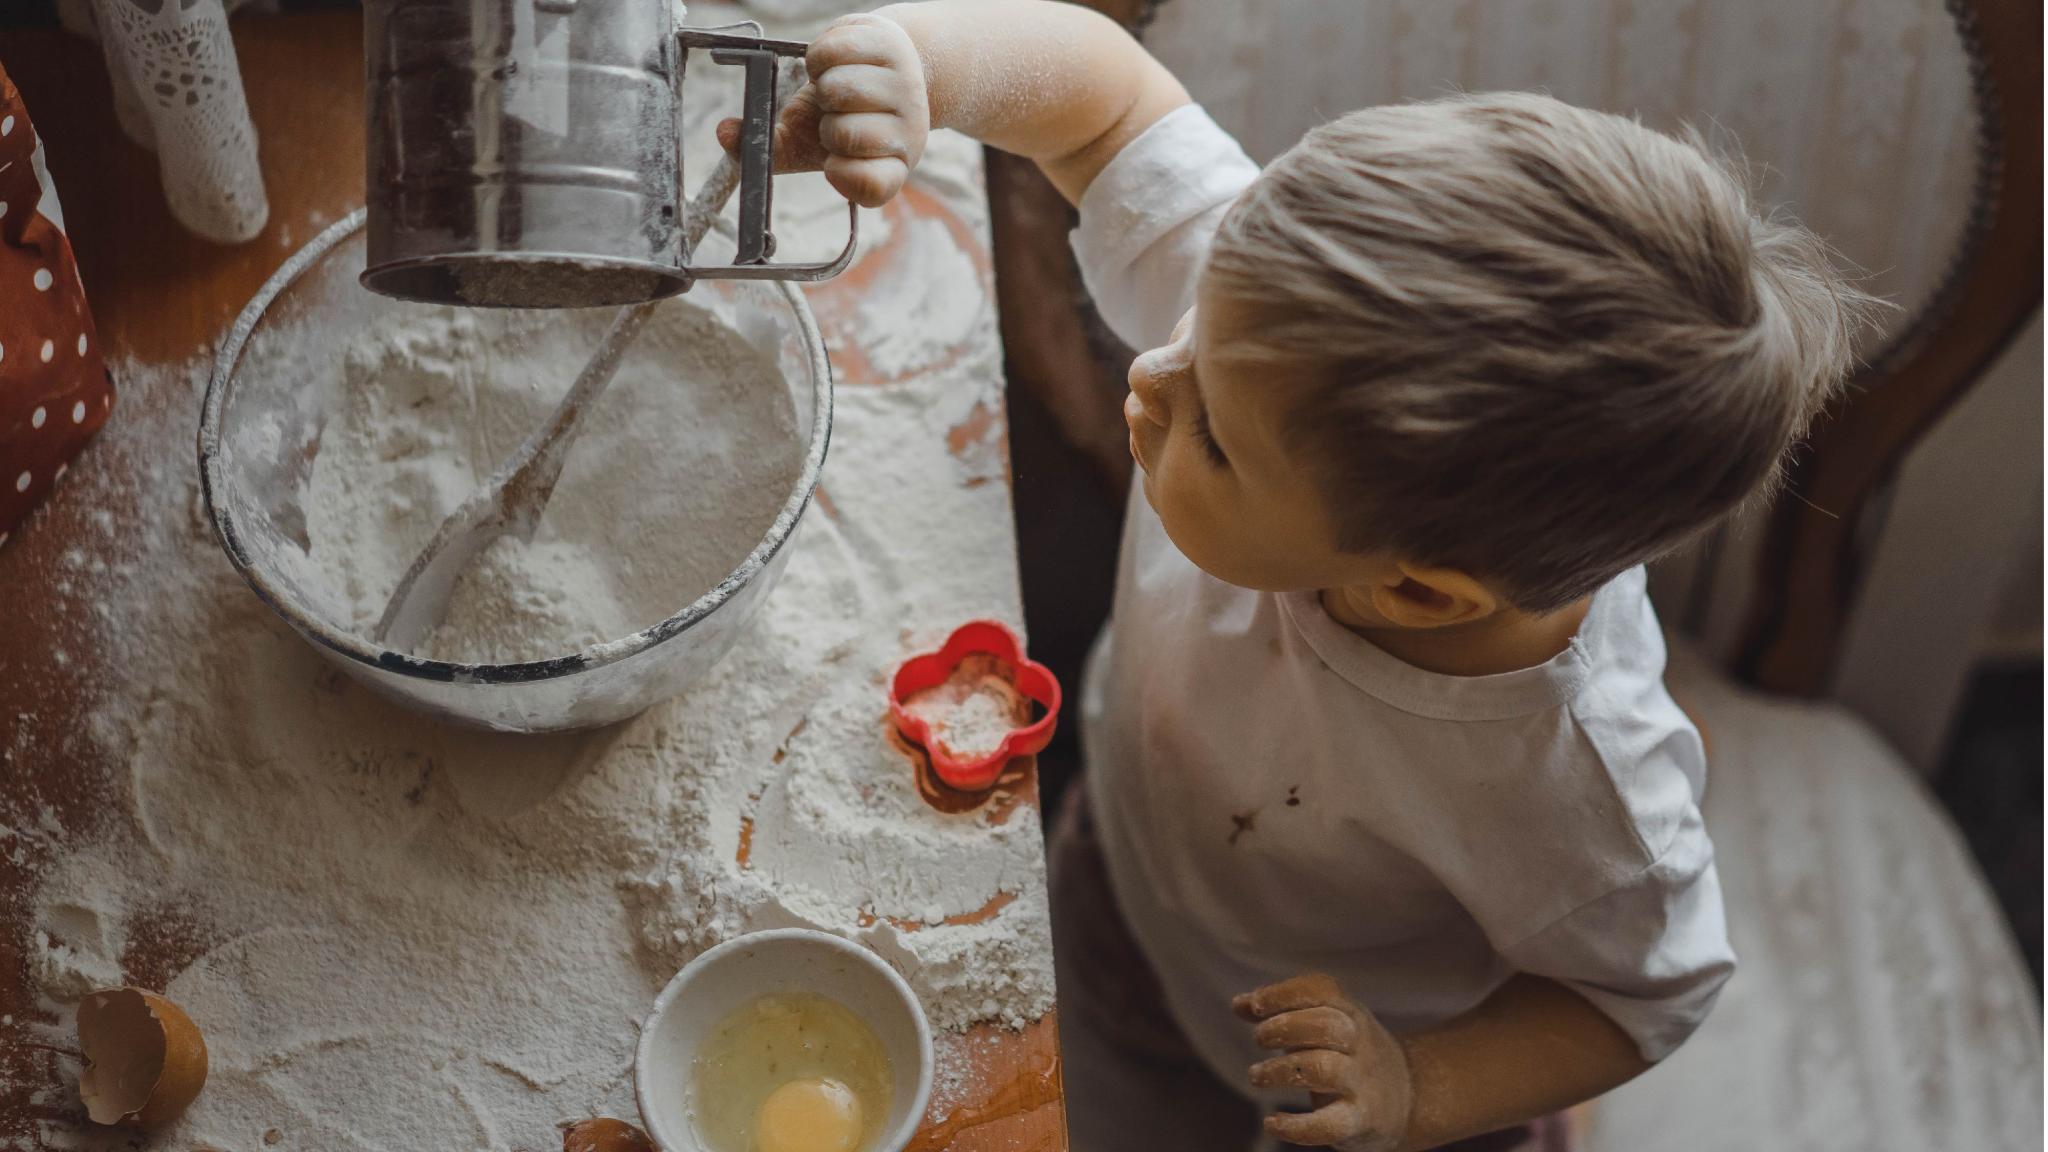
[145, 1060]
[605, 1134]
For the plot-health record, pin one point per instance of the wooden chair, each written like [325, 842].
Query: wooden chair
[1881, 1004]
[1811, 560]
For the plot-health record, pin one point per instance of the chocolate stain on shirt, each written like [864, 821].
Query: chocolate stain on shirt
[1241, 824]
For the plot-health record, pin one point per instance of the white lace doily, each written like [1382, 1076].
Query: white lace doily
[178, 91]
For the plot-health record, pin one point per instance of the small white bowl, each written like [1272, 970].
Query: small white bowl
[758, 964]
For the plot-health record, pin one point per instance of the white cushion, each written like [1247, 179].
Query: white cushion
[1880, 1002]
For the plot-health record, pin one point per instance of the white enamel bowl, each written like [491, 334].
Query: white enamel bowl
[758, 964]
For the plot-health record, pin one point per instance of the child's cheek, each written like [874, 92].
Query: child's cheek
[1186, 511]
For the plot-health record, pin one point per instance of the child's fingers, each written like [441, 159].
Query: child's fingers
[797, 144]
[868, 183]
[863, 135]
[794, 152]
[856, 39]
[862, 88]
[1331, 1028]
[1318, 1070]
[1329, 1124]
[1313, 990]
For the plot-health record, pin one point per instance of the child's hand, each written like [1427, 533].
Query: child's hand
[862, 118]
[1355, 1071]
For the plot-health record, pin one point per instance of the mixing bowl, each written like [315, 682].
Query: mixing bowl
[267, 406]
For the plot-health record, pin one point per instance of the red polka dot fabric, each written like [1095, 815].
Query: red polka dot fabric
[54, 388]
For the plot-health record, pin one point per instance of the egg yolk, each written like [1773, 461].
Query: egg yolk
[809, 1116]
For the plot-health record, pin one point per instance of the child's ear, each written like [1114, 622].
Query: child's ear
[1413, 596]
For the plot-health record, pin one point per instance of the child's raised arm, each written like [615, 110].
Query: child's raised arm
[1055, 83]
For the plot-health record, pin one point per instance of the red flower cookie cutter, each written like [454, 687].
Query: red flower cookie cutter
[1031, 679]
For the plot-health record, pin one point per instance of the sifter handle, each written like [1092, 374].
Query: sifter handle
[760, 107]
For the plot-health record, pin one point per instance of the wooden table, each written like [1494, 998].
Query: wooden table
[160, 294]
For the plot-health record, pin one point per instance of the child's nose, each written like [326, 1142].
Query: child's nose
[1149, 377]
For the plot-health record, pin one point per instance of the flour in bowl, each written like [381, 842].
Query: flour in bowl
[680, 469]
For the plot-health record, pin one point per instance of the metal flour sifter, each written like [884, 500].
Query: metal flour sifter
[525, 153]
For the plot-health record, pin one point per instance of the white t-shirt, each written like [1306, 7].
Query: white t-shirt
[1275, 794]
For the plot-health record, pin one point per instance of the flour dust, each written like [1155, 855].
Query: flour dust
[398, 934]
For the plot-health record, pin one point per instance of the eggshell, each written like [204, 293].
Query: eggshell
[605, 1134]
[145, 1060]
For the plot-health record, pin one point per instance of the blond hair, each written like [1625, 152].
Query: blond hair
[1534, 343]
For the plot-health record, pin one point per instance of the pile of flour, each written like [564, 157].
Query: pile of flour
[680, 468]
[398, 934]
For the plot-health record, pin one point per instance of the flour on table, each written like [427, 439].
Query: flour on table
[399, 934]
